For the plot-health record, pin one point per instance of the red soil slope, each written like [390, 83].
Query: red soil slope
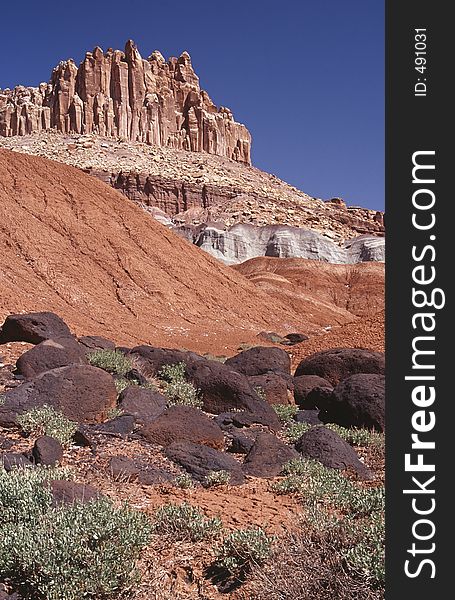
[73, 245]
[325, 293]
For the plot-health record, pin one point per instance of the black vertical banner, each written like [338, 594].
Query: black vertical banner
[420, 361]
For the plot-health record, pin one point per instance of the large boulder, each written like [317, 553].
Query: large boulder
[303, 385]
[83, 393]
[143, 403]
[151, 360]
[276, 389]
[358, 401]
[47, 451]
[95, 342]
[224, 390]
[33, 328]
[326, 446]
[50, 354]
[267, 456]
[339, 363]
[199, 461]
[260, 360]
[183, 423]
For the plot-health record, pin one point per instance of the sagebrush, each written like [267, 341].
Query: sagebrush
[176, 388]
[185, 522]
[46, 420]
[66, 553]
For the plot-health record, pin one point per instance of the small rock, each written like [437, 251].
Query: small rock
[47, 451]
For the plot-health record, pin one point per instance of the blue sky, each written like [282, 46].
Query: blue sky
[306, 77]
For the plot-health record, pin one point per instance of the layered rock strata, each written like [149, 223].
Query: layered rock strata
[120, 94]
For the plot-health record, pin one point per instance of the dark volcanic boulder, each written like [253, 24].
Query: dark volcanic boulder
[151, 359]
[183, 423]
[122, 425]
[240, 443]
[200, 460]
[90, 343]
[358, 401]
[303, 385]
[224, 390]
[83, 393]
[339, 363]
[276, 389]
[69, 492]
[33, 328]
[122, 467]
[260, 360]
[308, 416]
[144, 404]
[267, 456]
[326, 446]
[47, 451]
[296, 338]
[50, 354]
[319, 397]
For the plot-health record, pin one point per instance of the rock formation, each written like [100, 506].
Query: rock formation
[120, 94]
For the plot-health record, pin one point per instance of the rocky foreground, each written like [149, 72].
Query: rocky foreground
[160, 427]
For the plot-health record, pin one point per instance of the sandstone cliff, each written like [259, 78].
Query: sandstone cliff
[120, 94]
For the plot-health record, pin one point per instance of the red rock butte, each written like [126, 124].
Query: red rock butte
[120, 94]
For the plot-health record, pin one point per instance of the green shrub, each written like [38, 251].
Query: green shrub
[185, 522]
[46, 420]
[184, 481]
[285, 412]
[113, 361]
[359, 437]
[2, 399]
[170, 373]
[216, 478]
[176, 388]
[112, 413]
[366, 556]
[294, 431]
[260, 392]
[244, 548]
[320, 485]
[66, 553]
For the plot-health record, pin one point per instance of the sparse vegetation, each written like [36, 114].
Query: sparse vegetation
[46, 420]
[285, 412]
[2, 399]
[176, 388]
[359, 437]
[244, 548]
[66, 553]
[185, 522]
[260, 392]
[184, 481]
[112, 413]
[217, 478]
[330, 558]
[294, 431]
[113, 361]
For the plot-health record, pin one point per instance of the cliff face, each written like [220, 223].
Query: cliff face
[120, 94]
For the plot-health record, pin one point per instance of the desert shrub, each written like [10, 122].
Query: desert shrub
[359, 437]
[176, 388]
[46, 420]
[294, 431]
[66, 553]
[2, 399]
[325, 558]
[185, 522]
[260, 392]
[244, 548]
[285, 412]
[320, 485]
[184, 481]
[112, 413]
[113, 361]
[216, 478]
